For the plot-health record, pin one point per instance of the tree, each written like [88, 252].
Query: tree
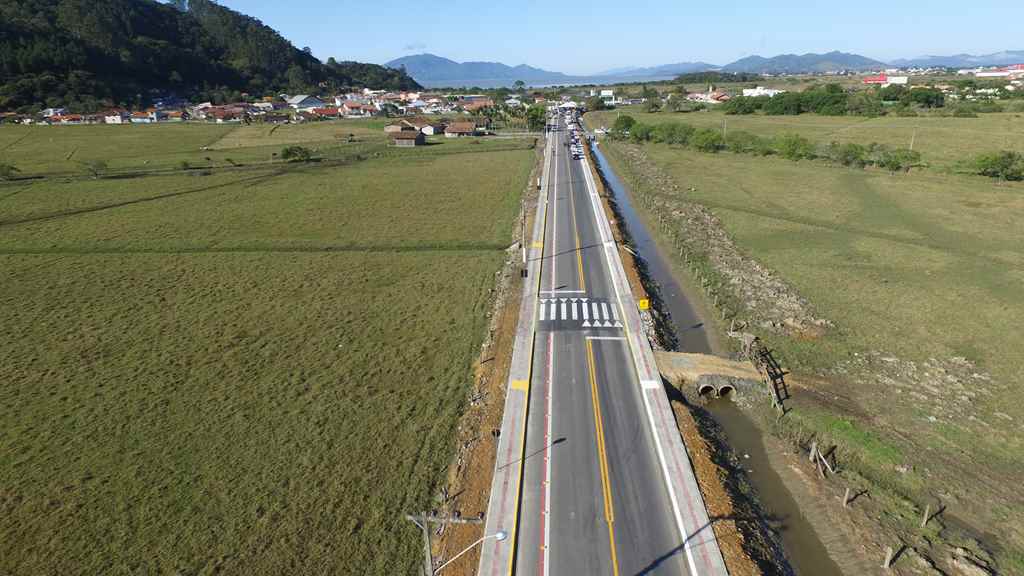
[594, 103]
[519, 85]
[865, 103]
[927, 97]
[849, 154]
[536, 117]
[652, 106]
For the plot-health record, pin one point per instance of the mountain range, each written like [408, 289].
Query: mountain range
[1004, 58]
[435, 71]
[86, 55]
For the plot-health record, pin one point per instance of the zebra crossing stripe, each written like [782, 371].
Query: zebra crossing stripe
[586, 313]
[574, 309]
[615, 316]
[563, 310]
[604, 310]
[593, 307]
[543, 310]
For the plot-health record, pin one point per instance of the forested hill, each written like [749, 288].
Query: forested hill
[87, 54]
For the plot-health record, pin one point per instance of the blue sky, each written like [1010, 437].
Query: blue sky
[581, 37]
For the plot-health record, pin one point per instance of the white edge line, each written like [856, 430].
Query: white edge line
[606, 337]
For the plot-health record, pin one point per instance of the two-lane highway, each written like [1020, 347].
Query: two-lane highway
[593, 497]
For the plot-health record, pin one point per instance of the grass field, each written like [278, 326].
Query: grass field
[942, 141]
[920, 268]
[255, 371]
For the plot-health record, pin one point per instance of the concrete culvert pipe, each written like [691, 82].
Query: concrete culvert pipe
[725, 391]
[706, 390]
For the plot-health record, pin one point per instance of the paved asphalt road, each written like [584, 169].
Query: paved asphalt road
[594, 500]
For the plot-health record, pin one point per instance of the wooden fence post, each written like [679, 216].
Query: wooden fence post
[846, 497]
[927, 510]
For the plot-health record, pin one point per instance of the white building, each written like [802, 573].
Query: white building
[761, 91]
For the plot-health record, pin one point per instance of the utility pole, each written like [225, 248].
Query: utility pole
[522, 240]
[423, 522]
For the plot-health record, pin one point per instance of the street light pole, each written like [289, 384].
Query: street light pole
[423, 521]
[499, 536]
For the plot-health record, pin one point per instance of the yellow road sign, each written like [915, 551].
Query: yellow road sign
[645, 304]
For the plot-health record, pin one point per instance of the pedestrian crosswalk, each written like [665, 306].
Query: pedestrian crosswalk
[579, 313]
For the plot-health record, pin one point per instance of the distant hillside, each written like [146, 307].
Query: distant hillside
[431, 70]
[659, 71]
[805, 63]
[85, 54]
[1004, 58]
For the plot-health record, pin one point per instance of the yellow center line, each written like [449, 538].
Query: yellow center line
[606, 483]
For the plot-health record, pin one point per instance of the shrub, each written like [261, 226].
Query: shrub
[296, 154]
[95, 167]
[652, 106]
[849, 154]
[672, 133]
[787, 103]
[743, 142]
[743, 105]
[7, 171]
[794, 146]
[904, 111]
[184, 165]
[1006, 165]
[898, 160]
[640, 132]
[622, 125]
[707, 140]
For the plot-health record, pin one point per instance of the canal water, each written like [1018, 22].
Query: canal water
[804, 549]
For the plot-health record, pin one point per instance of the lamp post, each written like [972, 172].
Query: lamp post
[499, 536]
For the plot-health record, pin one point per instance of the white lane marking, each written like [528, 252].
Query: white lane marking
[574, 315]
[547, 451]
[563, 291]
[563, 312]
[543, 309]
[650, 384]
[606, 337]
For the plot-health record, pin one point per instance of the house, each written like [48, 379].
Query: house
[461, 129]
[401, 126]
[177, 116]
[66, 119]
[427, 127]
[408, 139]
[305, 102]
[352, 108]
[50, 112]
[761, 91]
[474, 104]
[115, 117]
[326, 112]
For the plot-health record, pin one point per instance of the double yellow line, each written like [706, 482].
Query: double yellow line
[606, 483]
